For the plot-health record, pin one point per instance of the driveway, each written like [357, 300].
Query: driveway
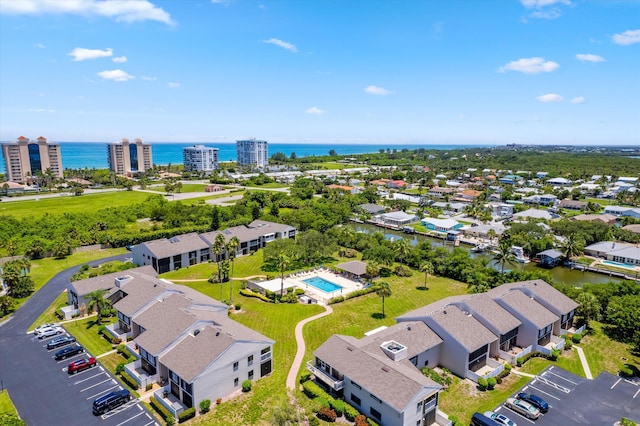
[40, 388]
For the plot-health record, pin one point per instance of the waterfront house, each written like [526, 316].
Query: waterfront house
[550, 258]
[372, 209]
[397, 219]
[440, 225]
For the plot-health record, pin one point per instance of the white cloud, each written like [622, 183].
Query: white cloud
[42, 110]
[39, 45]
[283, 44]
[121, 10]
[174, 85]
[315, 111]
[119, 59]
[588, 57]
[116, 75]
[578, 100]
[530, 4]
[627, 37]
[375, 90]
[81, 54]
[547, 14]
[530, 66]
[147, 78]
[549, 97]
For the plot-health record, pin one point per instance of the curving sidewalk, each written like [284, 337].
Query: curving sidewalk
[297, 361]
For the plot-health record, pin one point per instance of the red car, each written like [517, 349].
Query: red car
[81, 364]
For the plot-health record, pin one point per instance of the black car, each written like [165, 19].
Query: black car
[534, 400]
[69, 351]
[110, 401]
[60, 341]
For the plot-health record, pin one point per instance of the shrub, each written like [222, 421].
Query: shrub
[246, 385]
[508, 367]
[327, 415]
[305, 376]
[527, 357]
[120, 348]
[350, 413]
[237, 306]
[248, 293]
[336, 300]
[626, 371]
[338, 406]
[101, 329]
[361, 420]
[148, 387]
[311, 389]
[120, 367]
[576, 338]
[313, 421]
[299, 292]
[385, 272]
[627, 422]
[322, 402]
[186, 415]
[372, 422]
[402, 271]
[170, 421]
[482, 383]
[129, 380]
[554, 355]
[519, 362]
[164, 413]
[568, 344]
[218, 401]
[491, 383]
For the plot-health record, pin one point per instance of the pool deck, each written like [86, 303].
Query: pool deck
[322, 297]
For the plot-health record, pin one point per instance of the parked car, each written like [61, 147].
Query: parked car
[80, 365]
[501, 419]
[49, 332]
[57, 342]
[523, 408]
[479, 419]
[40, 328]
[110, 401]
[68, 351]
[534, 400]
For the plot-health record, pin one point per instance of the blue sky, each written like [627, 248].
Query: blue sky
[343, 71]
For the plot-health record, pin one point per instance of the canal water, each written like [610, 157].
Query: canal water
[560, 274]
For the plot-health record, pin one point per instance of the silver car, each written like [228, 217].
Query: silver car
[50, 331]
[501, 419]
[523, 408]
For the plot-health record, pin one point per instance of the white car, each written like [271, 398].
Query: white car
[500, 418]
[40, 328]
[50, 331]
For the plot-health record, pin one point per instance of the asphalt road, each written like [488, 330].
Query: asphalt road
[39, 386]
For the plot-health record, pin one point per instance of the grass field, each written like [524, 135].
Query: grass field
[6, 407]
[49, 314]
[86, 333]
[187, 187]
[266, 185]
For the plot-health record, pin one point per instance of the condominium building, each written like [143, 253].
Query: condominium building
[127, 158]
[199, 158]
[252, 152]
[25, 158]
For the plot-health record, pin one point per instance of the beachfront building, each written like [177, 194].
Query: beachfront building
[25, 158]
[200, 158]
[128, 159]
[252, 153]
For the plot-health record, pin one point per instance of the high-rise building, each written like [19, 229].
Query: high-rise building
[252, 152]
[200, 158]
[128, 159]
[25, 158]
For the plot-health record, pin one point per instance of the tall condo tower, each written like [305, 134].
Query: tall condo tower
[25, 158]
[200, 158]
[128, 159]
[252, 152]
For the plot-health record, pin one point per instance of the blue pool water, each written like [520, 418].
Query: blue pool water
[618, 264]
[322, 284]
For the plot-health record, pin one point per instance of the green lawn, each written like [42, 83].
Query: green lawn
[71, 204]
[604, 354]
[8, 411]
[86, 333]
[266, 185]
[187, 187]
[49, 314]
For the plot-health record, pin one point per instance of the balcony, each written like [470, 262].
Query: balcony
[491, 369]
[325, 377]
[573, 330]
[115, 331]
[134, 369]
[511, 356]
[555, 343]
[169, 401]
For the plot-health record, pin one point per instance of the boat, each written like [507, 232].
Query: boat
[519, 254]
[408, 230]
[479, 248]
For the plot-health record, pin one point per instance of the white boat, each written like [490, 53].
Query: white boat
[479, 248]
[519, 254]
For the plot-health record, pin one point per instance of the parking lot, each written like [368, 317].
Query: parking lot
[574, 400]
[75, 393]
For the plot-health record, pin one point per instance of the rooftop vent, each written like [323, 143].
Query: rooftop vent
[196, 332]
[394, 350]
[385, 369]
[123, 280]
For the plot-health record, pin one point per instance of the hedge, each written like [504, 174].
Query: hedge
[350, 412]
[353, 294]
[249, 293]
[491, 383]
[527, 357]
[312, 390]
[372, 422]
[164, 413]
[482, 383]
[186, 415]
[338, 406]
[327, 415]
[577, 338]
[205, 405]
[129, 380]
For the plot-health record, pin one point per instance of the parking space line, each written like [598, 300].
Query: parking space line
[88, 378]
[151, 422]
[130, 418]
[93, 386]
[518, 414]
[86, 370]
[70, 357]
[546, 393]
[564, 378]
[104, 391]
[636, 394]
[614, 385]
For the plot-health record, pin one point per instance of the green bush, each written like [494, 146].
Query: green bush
[322, 402]
[186, 415]
[627, 422]
[491, 383]
[129, 380]
[350, 412]
[120, 348]
[402, 271]
[305, 377]
[312, 390]
[508, 367]
[327, 415]
[372, 422]
[205, 405]
[568, 344]
[164, 413]
[482, 383]
[246, 385]
[527, 357]
[148, 387]
[336, 300]
[338, 406]
[555, 353]
[576, 338]
[385, 272]
[170, 421]
[120, 367]
[626, 371]
[237, 306]
[248, 293]
[101, 329]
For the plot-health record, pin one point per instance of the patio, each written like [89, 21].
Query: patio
[169, 401]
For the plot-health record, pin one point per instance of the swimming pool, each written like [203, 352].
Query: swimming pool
[322, 284]
[618, 264]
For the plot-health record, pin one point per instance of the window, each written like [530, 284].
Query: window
[250, 375]
[355, 399]
[235, 366]
[375, 398]
[414, 360]
[356, 385]
[235, 382]
[250, 360]
[375, 413]
[265, 350]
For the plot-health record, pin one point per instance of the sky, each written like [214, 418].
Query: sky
[322, 71]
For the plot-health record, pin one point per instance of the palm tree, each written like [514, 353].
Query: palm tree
[218, 248]
[504, 255]
[572, 246]
[383, 290]
[232, 247]
[98, 301]
[427, 268]
[402, 249]
[282, 262]
[491, 233]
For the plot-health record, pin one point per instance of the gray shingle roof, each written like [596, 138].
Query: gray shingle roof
[107, 282]
[546, 294]
[414, 335]
[173, 246]
[139, 292]
[396, 383]
[244, 233]
[482, 305]
[356, 267]
[528, 308]
[467, 330]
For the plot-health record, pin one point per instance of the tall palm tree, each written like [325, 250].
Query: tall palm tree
[383, 289]
[402, 249]
[282, 262]
[218, 249]
[427, 269]
[572, 246]
[232, 247]
[98, 301]
[504, 255]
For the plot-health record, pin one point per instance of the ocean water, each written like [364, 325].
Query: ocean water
[78, 155]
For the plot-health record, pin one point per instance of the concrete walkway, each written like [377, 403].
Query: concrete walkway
[297, 361]
[520, 373]
[585, 364]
